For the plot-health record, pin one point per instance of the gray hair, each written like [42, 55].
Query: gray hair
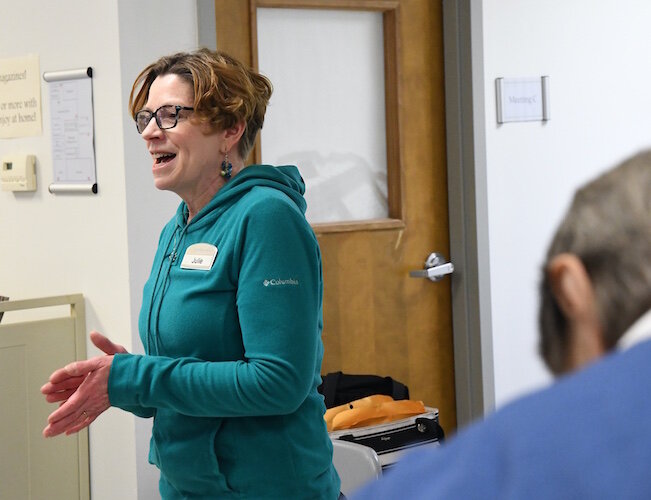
[608, 227]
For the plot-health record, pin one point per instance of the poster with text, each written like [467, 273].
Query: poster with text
[20, 97]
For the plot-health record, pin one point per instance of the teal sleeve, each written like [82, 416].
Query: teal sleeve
[279, 308]
[139, 411]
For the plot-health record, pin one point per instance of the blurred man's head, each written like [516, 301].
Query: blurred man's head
[597, 275]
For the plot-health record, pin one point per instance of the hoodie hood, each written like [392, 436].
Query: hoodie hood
[286, 179]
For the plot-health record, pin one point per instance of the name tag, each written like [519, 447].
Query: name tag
[199, 256]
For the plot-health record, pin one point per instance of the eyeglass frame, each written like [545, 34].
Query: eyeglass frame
[154, 114]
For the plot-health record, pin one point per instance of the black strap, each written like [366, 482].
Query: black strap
[399, 391]
[329, 388]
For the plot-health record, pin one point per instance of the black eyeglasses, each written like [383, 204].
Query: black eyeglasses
[166, 117]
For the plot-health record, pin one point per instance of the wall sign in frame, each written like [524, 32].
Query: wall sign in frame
[522, 99]
[72, 129]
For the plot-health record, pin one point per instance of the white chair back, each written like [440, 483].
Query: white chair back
[356, 464]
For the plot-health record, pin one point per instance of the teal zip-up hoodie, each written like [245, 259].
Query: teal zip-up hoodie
[233, 350]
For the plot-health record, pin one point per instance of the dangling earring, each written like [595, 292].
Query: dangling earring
[227, 168]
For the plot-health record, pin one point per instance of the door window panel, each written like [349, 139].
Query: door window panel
[330, 118]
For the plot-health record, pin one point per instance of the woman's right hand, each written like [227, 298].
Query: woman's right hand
[81, 388]
[66, 387]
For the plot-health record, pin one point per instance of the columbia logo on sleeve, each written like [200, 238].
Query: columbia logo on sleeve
[280, 282]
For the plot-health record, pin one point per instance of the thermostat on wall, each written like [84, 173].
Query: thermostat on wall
[18, 173]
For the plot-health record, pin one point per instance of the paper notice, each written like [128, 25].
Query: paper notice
[73, 152]
[20, 97]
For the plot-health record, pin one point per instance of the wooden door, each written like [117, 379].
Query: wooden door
[376, 318]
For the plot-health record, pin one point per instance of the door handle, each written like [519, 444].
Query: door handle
[436, 267]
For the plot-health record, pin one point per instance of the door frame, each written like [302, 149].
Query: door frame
[467, 191]
[468, 208]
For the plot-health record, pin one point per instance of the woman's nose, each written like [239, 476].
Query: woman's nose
[152, 130]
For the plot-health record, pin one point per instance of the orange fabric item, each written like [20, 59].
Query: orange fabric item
[371, 410]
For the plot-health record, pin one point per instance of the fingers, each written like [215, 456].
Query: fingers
[73, 407]
[59, 396]
[104, 344]
[72, 375]
[65, 384]
[82, 421]
[71, 424]
[64, 421]
[82, 404]
[75, 369]
[81, 425]
[64, 381]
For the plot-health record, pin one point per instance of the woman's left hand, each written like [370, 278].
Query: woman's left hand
[86, 403]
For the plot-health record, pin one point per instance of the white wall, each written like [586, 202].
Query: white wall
[596, 58]
[100, 245]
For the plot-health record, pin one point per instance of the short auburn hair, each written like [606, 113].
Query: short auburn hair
[226, 92]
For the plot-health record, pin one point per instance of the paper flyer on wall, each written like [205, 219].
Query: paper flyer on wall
[71, 117]
[20, 97]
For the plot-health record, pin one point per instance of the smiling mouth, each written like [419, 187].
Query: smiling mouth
[161, 159]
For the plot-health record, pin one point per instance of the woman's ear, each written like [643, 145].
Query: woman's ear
[233, 134]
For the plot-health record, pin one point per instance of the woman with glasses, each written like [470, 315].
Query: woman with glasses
[231, 313]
